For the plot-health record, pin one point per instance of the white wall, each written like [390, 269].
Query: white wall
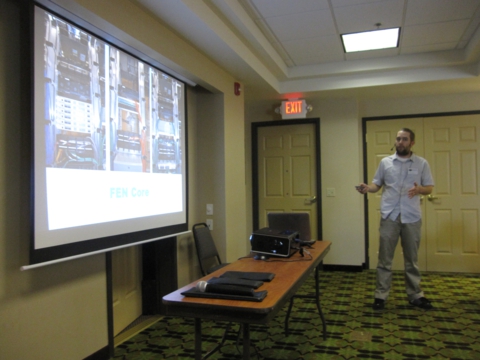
[341, 170]
[56, 312]
[340, 149]
[342, 158]
[217, 114]
[421, 105]
[60, 311]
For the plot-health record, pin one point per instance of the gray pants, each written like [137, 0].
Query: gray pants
[390, 232]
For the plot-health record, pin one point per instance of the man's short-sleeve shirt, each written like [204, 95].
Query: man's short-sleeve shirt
[397, 177]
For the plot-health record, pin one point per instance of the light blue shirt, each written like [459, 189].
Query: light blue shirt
[397, 175]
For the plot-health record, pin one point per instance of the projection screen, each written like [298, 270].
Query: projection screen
[109, 135]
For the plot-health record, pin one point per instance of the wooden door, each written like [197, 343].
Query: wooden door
[287, 174]
[380, 143]
[453, 225]
[126, 287]
[451, 215]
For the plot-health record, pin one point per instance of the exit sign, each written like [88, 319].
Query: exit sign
[293, 109]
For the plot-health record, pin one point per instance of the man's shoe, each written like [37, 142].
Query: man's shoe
[378, 304]
[422, 303]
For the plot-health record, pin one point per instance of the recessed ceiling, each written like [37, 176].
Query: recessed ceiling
[278, 47]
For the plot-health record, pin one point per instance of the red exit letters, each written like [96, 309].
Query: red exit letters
[293, 107]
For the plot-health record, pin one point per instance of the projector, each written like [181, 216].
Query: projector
[273, 242]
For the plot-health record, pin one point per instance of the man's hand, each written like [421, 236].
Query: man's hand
[419, 190]
[415, 190]
[365, 188]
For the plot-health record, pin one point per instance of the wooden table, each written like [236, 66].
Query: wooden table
[290, 273]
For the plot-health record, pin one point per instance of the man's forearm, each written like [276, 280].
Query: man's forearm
[425, 190]
[373, 188]
[364, 188]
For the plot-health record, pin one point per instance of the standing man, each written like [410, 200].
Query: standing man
[405, 177]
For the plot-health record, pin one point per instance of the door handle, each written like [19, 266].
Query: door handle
[311, 200]
[431, 197]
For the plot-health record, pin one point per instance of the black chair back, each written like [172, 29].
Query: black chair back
[207, 253]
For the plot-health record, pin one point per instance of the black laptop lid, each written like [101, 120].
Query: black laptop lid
[291, 221]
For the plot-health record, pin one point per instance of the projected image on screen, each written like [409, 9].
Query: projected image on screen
[80, 96]
[109, 138]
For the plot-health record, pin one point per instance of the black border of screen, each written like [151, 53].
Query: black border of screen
[108, 243]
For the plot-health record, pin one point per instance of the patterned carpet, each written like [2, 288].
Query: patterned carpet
[355, 331]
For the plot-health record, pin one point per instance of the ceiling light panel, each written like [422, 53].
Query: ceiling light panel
[371, 40]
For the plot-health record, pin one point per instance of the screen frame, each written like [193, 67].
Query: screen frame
[64, 252]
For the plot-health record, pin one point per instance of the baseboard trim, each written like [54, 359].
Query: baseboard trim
[143, 323]
[347, 268]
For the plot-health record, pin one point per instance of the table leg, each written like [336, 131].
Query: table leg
[246, 341]
[288, 314]
[317, 302]
[317, 297]
[198, 339]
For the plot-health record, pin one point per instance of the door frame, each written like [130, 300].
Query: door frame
[255, 189]
[365, 167]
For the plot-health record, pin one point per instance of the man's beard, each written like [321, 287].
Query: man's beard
[404, 152]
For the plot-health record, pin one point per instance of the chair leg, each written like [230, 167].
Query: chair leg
[220, 344]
